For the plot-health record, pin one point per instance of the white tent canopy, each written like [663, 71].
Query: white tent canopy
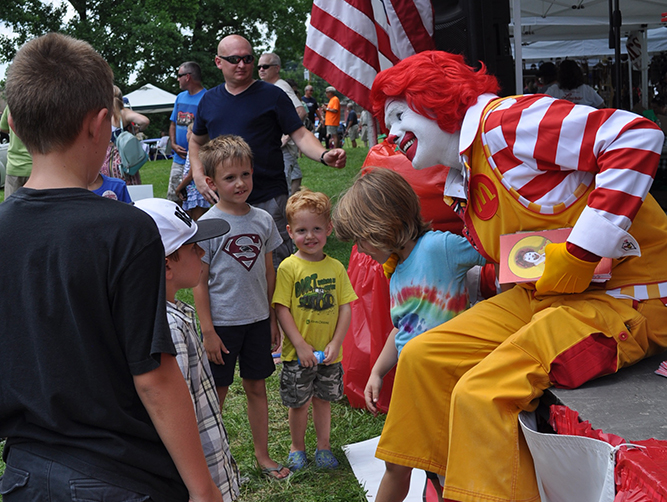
[584, 19]
[151, 99]
[552, 49]
[537, 22]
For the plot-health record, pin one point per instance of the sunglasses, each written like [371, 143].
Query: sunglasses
[266, 66]
[182, 74]
[237, 59]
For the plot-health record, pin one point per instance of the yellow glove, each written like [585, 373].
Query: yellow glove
[563, 272]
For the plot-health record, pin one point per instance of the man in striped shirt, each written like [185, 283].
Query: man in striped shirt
[525, 163]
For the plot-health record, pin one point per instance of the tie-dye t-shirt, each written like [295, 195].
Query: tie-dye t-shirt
[429, 287]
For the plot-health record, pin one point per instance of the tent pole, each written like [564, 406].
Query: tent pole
[630, 83]
[518, 49]
[616, 26]
[644, 41]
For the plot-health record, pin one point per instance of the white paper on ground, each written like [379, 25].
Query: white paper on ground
[138, 192]
[369, 470]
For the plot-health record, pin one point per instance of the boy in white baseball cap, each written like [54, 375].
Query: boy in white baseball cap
[180, 234]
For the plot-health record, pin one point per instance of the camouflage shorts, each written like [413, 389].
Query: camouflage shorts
[299, 384]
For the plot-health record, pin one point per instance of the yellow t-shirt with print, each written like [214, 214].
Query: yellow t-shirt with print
[313, 291]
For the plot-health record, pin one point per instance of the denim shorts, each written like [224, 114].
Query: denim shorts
[30, 477]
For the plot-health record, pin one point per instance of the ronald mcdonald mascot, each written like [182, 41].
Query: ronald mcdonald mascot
[522, 163]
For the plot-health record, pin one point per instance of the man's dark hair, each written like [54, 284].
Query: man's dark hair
[570, 75]
[547, 72]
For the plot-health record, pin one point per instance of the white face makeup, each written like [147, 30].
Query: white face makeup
[420, 138]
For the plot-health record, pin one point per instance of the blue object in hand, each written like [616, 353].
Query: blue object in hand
[318, 354]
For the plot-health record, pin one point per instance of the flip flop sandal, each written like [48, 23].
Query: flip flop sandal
[274, 472]
[297, 460]
[324, 459]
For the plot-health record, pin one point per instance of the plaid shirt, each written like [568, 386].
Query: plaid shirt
[197, 372]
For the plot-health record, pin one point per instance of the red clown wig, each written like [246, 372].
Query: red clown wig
[435, 84]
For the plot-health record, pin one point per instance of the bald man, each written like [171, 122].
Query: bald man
[260, 113]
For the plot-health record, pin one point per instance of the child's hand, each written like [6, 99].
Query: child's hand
[275, 335]
[331, 352]
[214, 347]
[306, 356]
[372, 393]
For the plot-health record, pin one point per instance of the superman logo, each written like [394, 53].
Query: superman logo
[244, 248]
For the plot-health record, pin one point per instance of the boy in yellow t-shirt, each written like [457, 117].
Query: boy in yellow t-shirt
[312, 302]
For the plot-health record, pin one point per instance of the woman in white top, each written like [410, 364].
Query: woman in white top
[571, 86]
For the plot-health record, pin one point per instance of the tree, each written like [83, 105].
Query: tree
[146, 40]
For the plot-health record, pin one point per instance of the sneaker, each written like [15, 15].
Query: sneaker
[324, 459]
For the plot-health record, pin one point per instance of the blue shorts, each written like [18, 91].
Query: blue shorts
[251, 345]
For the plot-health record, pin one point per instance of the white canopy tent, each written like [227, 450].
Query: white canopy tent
[583, 19]
[552, 49]
[564, 22]
[151, 99]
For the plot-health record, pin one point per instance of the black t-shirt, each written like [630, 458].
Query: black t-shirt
[312, 107]
[352, 118]
[260, 115]
[82, 310]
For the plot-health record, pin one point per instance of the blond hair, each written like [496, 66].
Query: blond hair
[380, 208]
[118, 104]
[307, 200]
[223, 149]
[52, 84]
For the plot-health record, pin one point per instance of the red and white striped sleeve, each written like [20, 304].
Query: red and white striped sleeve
[549, 148]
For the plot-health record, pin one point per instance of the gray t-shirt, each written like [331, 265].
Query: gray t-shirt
[237, 267]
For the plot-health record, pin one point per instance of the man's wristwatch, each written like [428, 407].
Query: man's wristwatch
[322, 157]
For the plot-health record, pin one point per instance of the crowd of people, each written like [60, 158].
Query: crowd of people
[122, 397]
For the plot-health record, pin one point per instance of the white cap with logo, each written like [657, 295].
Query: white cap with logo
[176, 226]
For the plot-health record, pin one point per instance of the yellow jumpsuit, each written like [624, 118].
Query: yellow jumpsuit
[460, 387]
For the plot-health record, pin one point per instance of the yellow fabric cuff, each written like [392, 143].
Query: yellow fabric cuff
[390, 265]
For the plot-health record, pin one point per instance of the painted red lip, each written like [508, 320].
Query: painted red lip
[407, 137]
[409, 145]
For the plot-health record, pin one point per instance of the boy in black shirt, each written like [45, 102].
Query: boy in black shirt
[92, 400]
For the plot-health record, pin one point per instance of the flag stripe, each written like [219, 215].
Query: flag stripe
[413, 29]
[355, 90]
[339, 57]
[350, 41]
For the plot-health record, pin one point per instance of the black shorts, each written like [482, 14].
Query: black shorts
[251, 344]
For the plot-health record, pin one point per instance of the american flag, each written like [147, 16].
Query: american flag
[350, 41]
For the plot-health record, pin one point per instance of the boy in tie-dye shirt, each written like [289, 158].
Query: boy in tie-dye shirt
[427, 269]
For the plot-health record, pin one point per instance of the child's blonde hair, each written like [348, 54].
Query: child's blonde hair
[224, 149]
[315, 202]
[380, 208]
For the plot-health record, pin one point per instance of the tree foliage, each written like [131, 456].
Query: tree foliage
[146, 40]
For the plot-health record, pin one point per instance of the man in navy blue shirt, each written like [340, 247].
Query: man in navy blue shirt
[260, 113]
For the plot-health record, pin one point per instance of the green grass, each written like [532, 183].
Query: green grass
[348, 425]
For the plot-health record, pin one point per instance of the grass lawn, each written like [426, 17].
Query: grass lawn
[348, 425]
